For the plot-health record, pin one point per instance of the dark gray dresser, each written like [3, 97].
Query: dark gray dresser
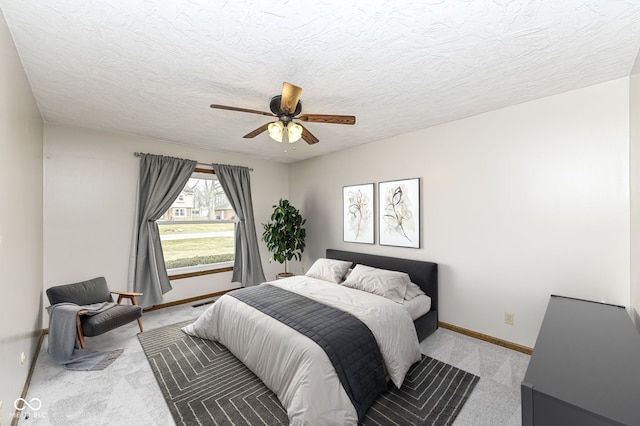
[585, 367]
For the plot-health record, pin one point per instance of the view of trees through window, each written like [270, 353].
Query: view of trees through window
[198, 228]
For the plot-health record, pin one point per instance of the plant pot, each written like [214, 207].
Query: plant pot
[284, 275]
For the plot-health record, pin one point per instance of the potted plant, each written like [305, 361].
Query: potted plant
[284, 235]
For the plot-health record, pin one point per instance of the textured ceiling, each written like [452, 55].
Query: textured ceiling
[153, 67]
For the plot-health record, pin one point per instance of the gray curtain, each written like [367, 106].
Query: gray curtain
[236, 183]
[161, 180]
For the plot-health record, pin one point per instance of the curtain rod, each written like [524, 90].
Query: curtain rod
[138, 154]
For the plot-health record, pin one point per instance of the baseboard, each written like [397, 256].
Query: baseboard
[27, 382]
[189, 300]
[461, 330]
[486, 338]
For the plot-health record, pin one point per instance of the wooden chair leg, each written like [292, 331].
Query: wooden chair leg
[79, 329]
[132, 297]
[135, 303]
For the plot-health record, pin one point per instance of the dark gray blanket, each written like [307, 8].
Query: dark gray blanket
[348, 342]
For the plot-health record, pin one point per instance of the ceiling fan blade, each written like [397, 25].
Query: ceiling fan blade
[290, 97]
[257, 131]
[230, 108]
[325, 118]
[308, 136]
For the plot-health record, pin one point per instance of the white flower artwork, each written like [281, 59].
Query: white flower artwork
[358, 213]
[400, 213]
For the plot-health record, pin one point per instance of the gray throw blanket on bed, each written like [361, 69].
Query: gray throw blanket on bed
[64, 346]
[347, 341]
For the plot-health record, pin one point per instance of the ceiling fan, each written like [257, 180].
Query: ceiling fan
[286, 108]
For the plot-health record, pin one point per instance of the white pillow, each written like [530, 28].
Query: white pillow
[347, 274]
[331, 270]
[413, 290]
[389, 284]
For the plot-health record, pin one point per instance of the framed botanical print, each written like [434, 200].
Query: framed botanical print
[358, 211]
[399, 213]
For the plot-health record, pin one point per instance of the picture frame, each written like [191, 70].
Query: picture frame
[358, 213]
[399, 213]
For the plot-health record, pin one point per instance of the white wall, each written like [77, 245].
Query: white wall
[91, 179]
[20, 223]
[517, 204]
[634, 153]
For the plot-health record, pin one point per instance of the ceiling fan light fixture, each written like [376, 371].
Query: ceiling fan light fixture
[276, 131]
[294, 132]
[285, 108]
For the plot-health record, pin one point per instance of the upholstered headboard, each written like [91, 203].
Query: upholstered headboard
[424, 274]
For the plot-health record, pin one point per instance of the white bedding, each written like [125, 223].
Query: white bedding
[418, 306]
[294, 366]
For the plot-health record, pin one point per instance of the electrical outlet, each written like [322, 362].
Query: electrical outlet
[23, 358]
[0, 413]
[508, 318]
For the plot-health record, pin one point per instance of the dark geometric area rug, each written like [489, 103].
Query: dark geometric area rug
[205, 384]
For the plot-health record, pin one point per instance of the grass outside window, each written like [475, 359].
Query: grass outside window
[196, 244]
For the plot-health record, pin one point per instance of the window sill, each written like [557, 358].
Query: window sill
[196, 271]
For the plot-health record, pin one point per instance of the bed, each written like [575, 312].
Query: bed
[424, 274]
[303, 374]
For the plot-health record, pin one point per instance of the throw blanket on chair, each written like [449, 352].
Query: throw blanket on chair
[64, 347]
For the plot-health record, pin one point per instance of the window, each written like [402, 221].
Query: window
[197, 231]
